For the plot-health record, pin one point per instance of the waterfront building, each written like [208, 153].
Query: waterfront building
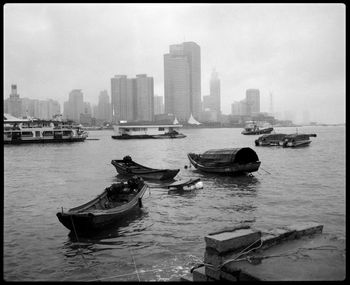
[158, 105]
[144, 98]
[103, 109]
[182, 81]
[253, 101]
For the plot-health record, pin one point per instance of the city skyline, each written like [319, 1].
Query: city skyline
[295, 51]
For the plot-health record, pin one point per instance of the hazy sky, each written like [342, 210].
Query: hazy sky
[294, 51]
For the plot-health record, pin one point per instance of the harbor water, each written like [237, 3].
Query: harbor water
[165, 239]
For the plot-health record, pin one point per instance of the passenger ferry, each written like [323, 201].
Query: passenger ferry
[18, 131]
[125, 130]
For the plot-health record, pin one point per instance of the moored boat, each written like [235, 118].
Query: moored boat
[114, 203]
[227, 160]
[127, 166]
[297, 140]
[146, 130]
[19, 131]
[253, 129]
[270, 140]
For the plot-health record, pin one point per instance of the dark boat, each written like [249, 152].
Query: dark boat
[111, 206]
[227, 160]
[270, 140]
[127, 166]
[296, 140]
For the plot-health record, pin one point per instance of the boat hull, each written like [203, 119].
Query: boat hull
[227, 169]
[44, 141]
[258, 132]
[93, 220]
[296, 144]
[147, 173]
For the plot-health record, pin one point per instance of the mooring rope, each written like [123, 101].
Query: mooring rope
[79, 249]
[133, 260]
[265, 170]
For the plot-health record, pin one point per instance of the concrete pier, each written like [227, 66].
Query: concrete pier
[299, 252]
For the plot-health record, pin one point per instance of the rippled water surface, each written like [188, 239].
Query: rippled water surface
[165, 238]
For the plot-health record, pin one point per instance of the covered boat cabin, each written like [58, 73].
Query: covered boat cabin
[228, 156]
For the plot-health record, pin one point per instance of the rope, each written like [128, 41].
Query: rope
[265, 170]
[80, 251]
[133, 260]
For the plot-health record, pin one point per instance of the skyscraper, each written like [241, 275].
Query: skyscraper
[132, 98]
[253, 101]
[103, 111]
[144, 98]
[158, 105]
[182, 81]
[14, 103]
[74, 106]
[215, 92]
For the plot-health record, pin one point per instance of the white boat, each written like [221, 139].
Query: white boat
[146, 131]
[19, 131]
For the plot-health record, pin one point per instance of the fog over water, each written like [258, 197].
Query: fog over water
[294, 51]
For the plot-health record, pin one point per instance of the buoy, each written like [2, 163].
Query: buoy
[185, 166]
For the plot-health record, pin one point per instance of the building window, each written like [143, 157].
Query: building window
[160, 129]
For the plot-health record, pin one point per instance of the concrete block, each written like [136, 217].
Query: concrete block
[306, 229]
[199, 274]
[212, 272]
[217, 274]
[229, 241]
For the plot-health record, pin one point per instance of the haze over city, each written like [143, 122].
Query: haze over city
[294, 51]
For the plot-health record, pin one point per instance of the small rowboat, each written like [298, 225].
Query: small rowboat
[189, 184]
[111, 206]
[127, 166]
[227, 160]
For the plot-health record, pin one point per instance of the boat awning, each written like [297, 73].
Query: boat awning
[230, 155]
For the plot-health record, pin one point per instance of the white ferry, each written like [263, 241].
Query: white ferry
[130, 130]
[18, 131]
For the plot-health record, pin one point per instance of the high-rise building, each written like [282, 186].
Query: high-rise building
[132, 98]
[253, 101]
[122, 97]
[158, 105]
[103, 109]
[144, 98]
[14, 103]
[215, 92]
[74, 106]
[182, 81]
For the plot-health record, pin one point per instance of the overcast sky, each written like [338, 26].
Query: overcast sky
[294, 51]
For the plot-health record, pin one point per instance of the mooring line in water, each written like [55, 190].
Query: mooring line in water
[265, 170]
[80, 251]
[133, 260]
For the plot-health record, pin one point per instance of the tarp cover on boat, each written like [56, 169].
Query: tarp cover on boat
[230, 155]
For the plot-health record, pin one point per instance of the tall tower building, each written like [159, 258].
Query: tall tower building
[144, 98]
[103, 111]
[74, 106]
[14, 103]
[158, 105]
[182, 81]
[123, 93]
[253, 101]
[215, 92]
